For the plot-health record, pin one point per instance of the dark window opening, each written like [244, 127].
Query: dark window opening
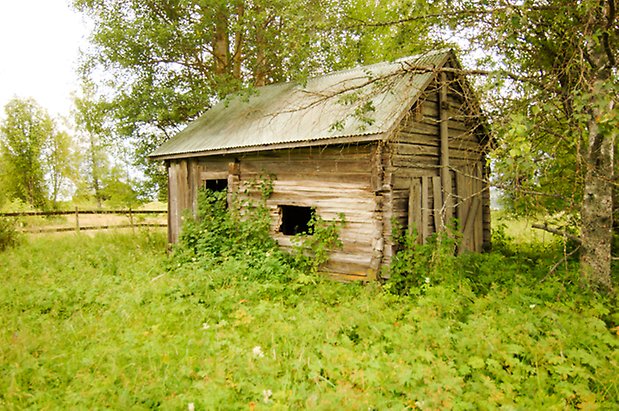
[216, 185]
[295, 219]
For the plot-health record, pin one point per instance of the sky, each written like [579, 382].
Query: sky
[39, 51]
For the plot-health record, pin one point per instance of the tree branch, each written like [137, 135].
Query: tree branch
[556, 231]
[611, 15]
[450, 14]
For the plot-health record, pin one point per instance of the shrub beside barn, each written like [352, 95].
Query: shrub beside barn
[398, 142]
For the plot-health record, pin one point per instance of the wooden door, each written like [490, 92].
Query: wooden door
[469, 189]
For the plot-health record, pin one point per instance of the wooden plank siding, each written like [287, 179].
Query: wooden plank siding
[333, 180]
[415, 161]
[180, 198]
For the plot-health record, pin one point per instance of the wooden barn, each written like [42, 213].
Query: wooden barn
[397, 142]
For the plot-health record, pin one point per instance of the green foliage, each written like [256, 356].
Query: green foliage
[550, 96]
[415, 266]
[59, 164]
[94, 135]
[162, 65]
[213, 328]
[221, 232]
[239, 232]
[37, 160]
[8, 234]
[117, 192]
[312, 249]
[23, 136]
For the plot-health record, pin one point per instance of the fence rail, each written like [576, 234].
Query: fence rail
[77, 227]
[35, 230]
[50, 213]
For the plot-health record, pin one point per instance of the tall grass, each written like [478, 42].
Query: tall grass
[111, 322]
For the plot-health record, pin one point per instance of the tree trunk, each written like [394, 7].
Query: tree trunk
[221, 43]
[237, 57]
[615, 245]
[260, 71]
[597, 206]
[96, 186]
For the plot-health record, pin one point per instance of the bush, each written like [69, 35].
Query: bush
[8, 234]
[416, 265]
[237, 236]
[511, 264]
[312, 249]
[221, 232]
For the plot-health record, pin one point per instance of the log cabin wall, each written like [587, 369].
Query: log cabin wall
[467, 148]
[415, 176]
[413, 155]
[334, 180]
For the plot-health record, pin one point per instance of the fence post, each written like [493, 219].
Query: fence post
[77, 220]
[131, 220]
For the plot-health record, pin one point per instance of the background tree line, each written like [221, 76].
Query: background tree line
[43, 162]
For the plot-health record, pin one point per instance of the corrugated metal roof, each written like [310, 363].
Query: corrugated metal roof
[361, 102]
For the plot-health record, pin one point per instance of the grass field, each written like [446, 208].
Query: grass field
[111, 322]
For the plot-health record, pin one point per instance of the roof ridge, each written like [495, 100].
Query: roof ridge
[336, 73]
[404, 59]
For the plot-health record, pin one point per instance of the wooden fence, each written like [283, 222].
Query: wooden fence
[77, 212]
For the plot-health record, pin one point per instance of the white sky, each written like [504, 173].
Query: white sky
[39, 50]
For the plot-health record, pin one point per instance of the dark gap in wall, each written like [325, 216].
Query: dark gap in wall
[295, 219]
[216, 185]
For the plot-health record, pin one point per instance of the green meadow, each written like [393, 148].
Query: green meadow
[113, 322]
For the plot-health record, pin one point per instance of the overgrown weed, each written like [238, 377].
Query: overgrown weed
[9, 235]
[237, 235]
[510, 264]
[112, 322]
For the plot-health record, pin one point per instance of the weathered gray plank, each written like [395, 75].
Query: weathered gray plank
[439, 224]
[425, 208]
[414, 209]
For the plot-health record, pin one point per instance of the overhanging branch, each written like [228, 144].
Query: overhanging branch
[556, 231]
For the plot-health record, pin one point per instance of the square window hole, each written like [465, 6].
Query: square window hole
[295, 219]
[216, 185]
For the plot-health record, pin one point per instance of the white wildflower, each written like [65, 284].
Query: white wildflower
[427, 280]
[257, 351]
[205, 326]
[532, 306]
[191, 407]
[266, 394]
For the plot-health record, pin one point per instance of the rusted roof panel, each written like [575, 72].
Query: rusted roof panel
[359, 102]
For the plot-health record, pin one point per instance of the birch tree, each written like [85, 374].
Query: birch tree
[92, 131]
[58, 163]
[23, 135]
